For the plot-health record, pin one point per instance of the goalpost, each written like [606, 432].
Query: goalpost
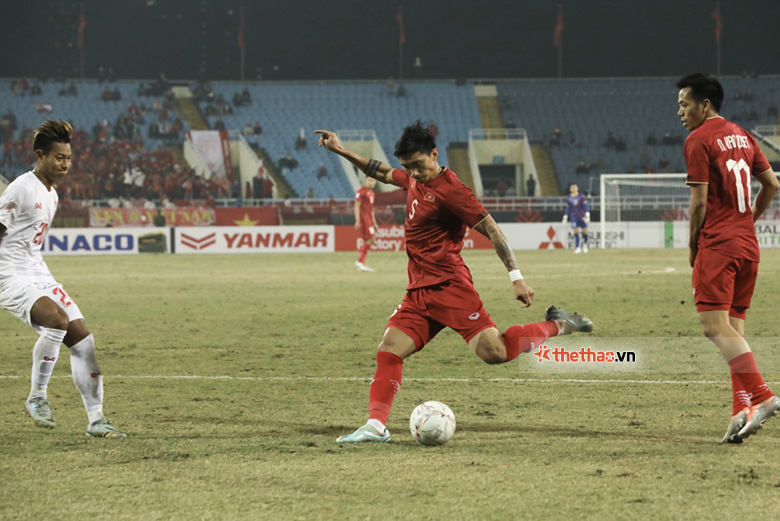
[641, 198]
[653, 208]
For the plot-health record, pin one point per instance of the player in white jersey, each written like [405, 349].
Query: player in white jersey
[28, 290]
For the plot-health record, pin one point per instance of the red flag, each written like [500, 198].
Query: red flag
[241, 31]
[399, 16]
[558, 40]
[718, 24]
[82, 25]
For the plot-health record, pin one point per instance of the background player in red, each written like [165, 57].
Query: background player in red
[365, 221]
[722, 158]
[439, 208]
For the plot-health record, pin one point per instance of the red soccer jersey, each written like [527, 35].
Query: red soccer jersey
[437, 215]
[366, 199]
[726, 157]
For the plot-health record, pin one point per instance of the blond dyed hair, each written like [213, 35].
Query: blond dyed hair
[50, 132]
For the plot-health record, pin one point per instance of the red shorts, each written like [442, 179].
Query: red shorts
[426, 311]
[367, 231]
[723, 283]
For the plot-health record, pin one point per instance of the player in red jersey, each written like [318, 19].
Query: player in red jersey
[722, 158]
[439, 208]
[365, 221]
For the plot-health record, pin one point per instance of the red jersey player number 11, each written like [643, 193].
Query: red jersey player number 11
[723, 250]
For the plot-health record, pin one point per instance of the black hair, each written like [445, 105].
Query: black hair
[50, 132]
[416, 138]
[703, 86]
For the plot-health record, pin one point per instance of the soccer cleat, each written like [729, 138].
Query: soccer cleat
[585, 248]
[758, 415]
[39, 410]
[366, 433]
[572, 322]
[577, 250]
[362, 267]
[735, 425]
[103, 428]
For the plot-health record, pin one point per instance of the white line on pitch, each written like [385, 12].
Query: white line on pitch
[363, 379]
[665, 271]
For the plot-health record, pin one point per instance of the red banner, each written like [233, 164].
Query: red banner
[241, 31]
[101, 217]
[558, 38]
[225, 140]
[399, 17]
[391, 238]
[82, 26]
[250, 216]
[718, 23]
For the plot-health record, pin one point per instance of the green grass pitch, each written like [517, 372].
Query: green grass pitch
[233, 376]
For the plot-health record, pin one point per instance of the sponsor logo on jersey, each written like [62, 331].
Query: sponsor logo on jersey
[430, 197]
[474, 316]
[10, 206]
[38, 206]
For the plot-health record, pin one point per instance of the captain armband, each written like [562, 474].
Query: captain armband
[372, 168]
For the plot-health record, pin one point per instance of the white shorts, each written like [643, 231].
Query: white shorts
[18, 294]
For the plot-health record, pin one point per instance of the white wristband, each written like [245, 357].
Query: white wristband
[515, 275]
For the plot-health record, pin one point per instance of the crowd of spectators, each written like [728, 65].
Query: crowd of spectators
[121, 169]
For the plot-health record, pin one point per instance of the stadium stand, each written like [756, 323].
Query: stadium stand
[284, 109]
[630, 109]
[589, 110]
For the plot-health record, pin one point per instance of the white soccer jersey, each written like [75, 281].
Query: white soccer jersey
[26, 210]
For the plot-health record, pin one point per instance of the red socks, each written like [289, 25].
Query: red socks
[363, 252]
[521, 339]
[385, 385]
[747, 384]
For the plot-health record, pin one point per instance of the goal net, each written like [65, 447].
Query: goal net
[650, 210]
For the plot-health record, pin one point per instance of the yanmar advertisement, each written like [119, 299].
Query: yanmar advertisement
[255, 239]
[311, 239]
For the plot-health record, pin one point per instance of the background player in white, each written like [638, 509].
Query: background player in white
[578, 214]
[28, 290]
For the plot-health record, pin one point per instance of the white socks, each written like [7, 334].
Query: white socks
[378, 425]
[87, 377]
[45, 354]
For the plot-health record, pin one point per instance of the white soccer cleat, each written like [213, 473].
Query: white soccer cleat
[103, 428]
[40, 412]
[366, 433]
[577, 250]
[585, 248]
[362, 267]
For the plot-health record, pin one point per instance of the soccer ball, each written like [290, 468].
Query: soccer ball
[432, 423]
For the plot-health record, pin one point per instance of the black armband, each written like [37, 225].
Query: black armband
[372, 168]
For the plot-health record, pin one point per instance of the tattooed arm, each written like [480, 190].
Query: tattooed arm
[490, 229]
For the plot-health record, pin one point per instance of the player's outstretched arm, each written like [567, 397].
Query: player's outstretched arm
[488, 227]
[371, 167]
[769, 187]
